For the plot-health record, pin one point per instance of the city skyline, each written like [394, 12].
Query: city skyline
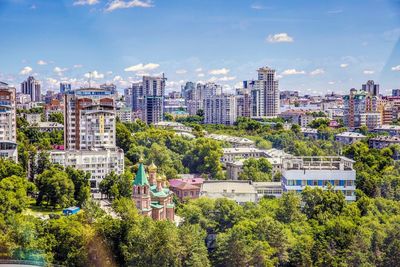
[329, 47]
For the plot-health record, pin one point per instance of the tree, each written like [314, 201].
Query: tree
[9, 168]
[55, 187]
[57, 117]
[256, 170]
[289, 208]
[81, 184]
[13, 195]
[204, 157]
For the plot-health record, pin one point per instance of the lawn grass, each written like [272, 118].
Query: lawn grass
[37, 211]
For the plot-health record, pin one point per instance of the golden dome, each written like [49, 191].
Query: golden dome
[159, 178]
[152, 167]
[164, 177]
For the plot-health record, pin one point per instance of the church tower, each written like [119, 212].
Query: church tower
[141, 190]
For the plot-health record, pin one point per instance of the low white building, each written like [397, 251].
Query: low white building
[239, 191]
[300, 172]
[33, 118]
[348, 138]
[233, 140]
[98, 163]
[48, 126]
[124, 114]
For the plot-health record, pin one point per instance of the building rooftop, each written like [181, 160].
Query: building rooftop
[231, 139]
[242, 150]
[388, 127]
[351, 134]
[229, 186]
[318, 163]
[386, 138]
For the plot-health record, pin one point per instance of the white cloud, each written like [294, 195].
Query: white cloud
[77, 66]
[33, 6]
[142, 67]
[59, 70]
[392, 35]
[200, 75]
[368, 72]
[95, 75]
[109, 72]
[52, 82]
[199, 70]
[120, 4]
[85, 2]
[41, 62]
[181, 71]
[331, 83]
[279, 76]
[282, 37]
[396, 68]
[344, 65]
[257, 6]
[175, 84]
[222, 71]
[317, 72]
[117, 78]
[227, 78]
[293, 72]
[26, 70]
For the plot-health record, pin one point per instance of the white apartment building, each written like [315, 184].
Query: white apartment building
[98, 163]
[299, 172]
[264, 94]
[220, 109]
[348, 138]
[8, 123]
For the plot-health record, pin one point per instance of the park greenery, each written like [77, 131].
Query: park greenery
[314, 228]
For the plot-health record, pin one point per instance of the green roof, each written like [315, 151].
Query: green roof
[141, 177]
[156, 205]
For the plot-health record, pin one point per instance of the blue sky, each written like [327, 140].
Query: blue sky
[315, 46]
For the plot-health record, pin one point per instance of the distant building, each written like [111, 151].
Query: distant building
[220, 109]
[361, 109]
[392, 130]
[32, 87]
[234, 141]
[243, 103]
[33, 118]
[109, 87]
[124, 114]
[8, 123]
[371, 88]
[299, 172]
[384, 141]
[396, 92]
[48, 126]
[151, 194]
[128, 97]
[153, 99]
[348, 138]
[65, 87]
[264, 94]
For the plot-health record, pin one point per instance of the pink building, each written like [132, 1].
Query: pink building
[152, 195]
[186, 188]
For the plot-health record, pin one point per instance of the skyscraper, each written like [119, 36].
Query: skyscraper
[220, 109]
[32, 87]
[65, 87]
[264, 94]
[89, 119]
[153, 98]
[371, 88]
[8, 124]
[137, 96]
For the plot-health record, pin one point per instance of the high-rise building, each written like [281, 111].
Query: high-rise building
[8, 123]
[137, 96]
[396, 92]
[128, 97]
[111, 87]
[195, 94]
[89, 134]
[371, 88]
[153, 99]
[65, 87]
[32, 87]
[220, 109]
[243, 103]
[89, 119]
[264, 94]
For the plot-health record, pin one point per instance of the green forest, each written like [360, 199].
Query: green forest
[315, 228]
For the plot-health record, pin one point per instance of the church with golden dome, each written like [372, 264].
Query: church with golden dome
[151, 193]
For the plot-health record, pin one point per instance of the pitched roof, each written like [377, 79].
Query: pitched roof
[141, 176]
